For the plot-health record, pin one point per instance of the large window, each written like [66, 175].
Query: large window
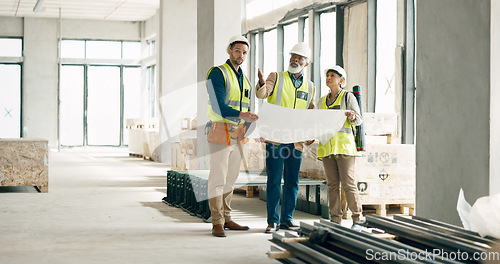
[10, 87]
[100, 88]
[11, 47]
[306, 30]
[270, 52]
[10, 101]
[152, 92]
[103, 105]
[151, 50]
[380, 41]
[131, 50]
[71, 96]
[152, 107]
[73, 49]
[328, 48]
[291, 36]
[102, 50]
[131, 95]
[386, 60]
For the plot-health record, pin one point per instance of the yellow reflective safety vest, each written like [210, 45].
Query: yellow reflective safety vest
[285, 94]
[343, 142]
[235, 98]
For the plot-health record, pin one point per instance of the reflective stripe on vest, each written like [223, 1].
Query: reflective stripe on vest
[342, 143]
[234, 97]
[290, 99]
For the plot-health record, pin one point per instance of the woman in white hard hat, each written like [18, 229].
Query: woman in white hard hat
[339, 154]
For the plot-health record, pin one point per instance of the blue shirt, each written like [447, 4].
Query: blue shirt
[296, 82]
[219, 86]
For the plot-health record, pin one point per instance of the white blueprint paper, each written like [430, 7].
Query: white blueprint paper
[285, 125]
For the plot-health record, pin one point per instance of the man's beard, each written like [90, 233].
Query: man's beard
[235, 61]
[295, 70]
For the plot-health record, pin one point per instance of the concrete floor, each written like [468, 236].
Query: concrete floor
[105, 207]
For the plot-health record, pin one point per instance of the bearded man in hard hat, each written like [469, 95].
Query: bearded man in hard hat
[229, 93]
[293, 90]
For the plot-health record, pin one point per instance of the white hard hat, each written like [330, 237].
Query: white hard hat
[340, 71]
[237, 38]
[301, 49]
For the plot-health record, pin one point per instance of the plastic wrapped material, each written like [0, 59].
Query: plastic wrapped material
[463, 208]
[483, 217]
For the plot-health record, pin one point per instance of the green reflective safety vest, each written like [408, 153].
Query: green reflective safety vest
[285, 94]
[343, 142]
[235, 98]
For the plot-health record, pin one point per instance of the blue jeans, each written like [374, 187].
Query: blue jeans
[282, 161]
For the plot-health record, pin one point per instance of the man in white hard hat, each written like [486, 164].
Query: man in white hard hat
[229, 93]
[293, 90]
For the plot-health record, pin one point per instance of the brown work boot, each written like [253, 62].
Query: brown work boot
[218, 231]
[231, 225]
[272, 227]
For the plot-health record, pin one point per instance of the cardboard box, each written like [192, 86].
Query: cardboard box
[380, 123]
[385, 173]
[311, 167]
[254, 155]
[176, 157]
[140, 131]
[189, 123]
[188, 145]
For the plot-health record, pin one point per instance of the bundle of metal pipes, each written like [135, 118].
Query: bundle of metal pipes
[384, 240]
[189, 193]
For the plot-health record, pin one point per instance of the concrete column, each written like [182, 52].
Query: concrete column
[495, 94]
[218, 20]
[177, 69]
[457, 58]
[39, 96]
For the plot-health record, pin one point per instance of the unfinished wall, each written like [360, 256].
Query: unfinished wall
[495, 94]
[151, 27]
[39, 80]
[100, 30]
[452, 105]
[177, 71]
[11, 27]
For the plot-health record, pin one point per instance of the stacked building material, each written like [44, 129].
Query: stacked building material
[384, 240]
[189, 190]
[24, 162]
[189, 193]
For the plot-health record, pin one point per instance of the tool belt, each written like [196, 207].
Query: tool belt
[223, 133]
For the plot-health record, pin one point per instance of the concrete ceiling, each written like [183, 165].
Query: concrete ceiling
[125, 10]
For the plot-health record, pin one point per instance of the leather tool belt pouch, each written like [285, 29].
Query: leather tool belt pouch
[223, 133]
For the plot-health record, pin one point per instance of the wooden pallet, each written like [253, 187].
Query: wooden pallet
[381, 209]
[250, 190]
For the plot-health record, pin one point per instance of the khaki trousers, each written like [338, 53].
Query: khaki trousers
[340, 169]
[224, 170]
